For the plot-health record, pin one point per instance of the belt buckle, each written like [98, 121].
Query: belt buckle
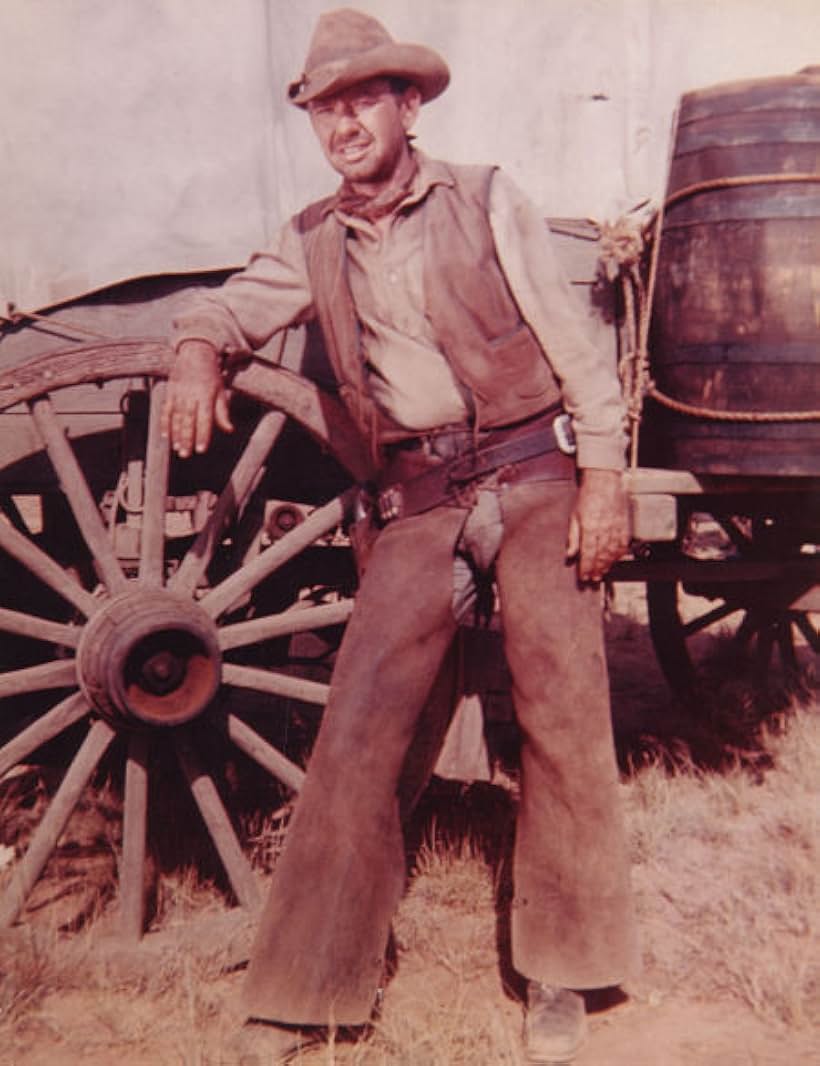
[564, 434]
[390, 503]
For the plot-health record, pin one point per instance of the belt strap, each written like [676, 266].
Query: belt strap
[442, 483]
[516, 450]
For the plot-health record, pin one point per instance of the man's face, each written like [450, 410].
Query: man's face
[363, 130]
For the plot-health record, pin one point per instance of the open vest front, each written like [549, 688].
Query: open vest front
[477, 323]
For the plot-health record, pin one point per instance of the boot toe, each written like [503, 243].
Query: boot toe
[555, 1026]
[260, 1043]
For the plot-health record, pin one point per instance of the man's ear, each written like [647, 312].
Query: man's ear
[409, 106]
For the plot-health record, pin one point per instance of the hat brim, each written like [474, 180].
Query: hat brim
[415, 63]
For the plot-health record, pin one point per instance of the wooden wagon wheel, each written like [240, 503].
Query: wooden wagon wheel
[141, 654]
[762, 619]
[757, 633]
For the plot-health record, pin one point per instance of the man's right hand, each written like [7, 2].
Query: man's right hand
[195, 399]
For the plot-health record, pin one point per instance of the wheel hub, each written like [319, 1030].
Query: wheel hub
[149, 656]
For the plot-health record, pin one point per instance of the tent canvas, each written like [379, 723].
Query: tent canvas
[144, 138]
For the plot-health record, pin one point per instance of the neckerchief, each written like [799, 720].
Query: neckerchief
[372, 208]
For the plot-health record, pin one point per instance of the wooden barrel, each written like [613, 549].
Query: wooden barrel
[736, 310]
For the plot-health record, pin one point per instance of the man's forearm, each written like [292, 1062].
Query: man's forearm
[271, 293]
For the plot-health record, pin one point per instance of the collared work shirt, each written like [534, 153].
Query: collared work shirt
[408, 376]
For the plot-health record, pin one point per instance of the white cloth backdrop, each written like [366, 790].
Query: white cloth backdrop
[151, 136]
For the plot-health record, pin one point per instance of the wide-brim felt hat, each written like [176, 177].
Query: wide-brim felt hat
[348, 47]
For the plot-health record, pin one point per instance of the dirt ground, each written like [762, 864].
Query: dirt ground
[88, 1028]
[451, 1001]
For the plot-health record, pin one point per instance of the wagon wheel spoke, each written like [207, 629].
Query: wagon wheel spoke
[51, 724]
[27, 871]
[42, 566]
[12, 513]
[59, 673]
[812, 636]
[134, 836]
[157, 454]
[218, 823]
[78, 494]
[233, 496]
[243, 581]
[299, 619]
[717, 614]
[275, 684]
[29, 625]
[748, 629]
[265, 754]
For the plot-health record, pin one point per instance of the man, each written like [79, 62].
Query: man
[455, 341]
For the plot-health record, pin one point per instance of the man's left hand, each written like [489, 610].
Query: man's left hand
[599, 525]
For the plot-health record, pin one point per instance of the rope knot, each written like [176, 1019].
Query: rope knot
[621, 246]
[622, 243]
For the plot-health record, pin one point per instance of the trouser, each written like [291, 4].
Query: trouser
[319, 952]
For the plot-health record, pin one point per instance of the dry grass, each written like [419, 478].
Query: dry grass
[726, 876]
[725, 854]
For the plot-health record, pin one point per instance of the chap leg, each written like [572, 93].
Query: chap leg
[319, 952]
[572, 921]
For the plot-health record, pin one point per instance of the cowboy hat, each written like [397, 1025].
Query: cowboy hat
[348, 47]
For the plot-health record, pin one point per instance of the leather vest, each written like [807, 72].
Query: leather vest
[477, 323]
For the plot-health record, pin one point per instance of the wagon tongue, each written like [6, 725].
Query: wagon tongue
[148, 656]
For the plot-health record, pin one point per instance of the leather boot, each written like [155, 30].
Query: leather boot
[260, 1043]
[555, 1026]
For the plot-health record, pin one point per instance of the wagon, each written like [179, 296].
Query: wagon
[732, 390]
[154, 608]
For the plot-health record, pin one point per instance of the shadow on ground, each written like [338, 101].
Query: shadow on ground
[721, 725]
